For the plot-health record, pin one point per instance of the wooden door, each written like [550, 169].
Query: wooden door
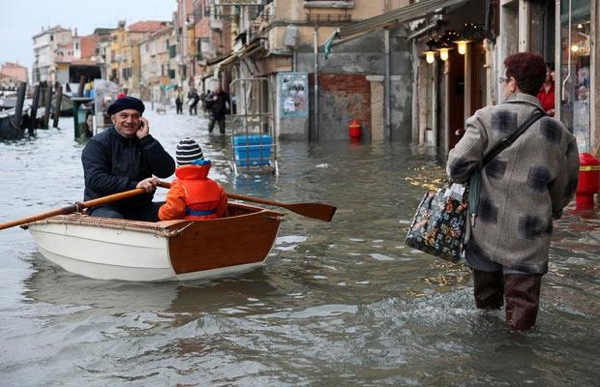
[476, 93]
[456, 100]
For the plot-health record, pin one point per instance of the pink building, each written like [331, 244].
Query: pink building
[14, 70]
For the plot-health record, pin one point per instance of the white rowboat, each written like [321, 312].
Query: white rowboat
[116, 249]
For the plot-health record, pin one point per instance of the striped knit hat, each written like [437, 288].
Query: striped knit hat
[187, 151]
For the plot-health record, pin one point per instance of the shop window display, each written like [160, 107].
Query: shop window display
[575, 71]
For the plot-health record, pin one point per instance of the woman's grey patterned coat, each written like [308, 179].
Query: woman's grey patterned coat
[522, 188]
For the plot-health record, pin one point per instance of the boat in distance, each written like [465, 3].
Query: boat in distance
[173, 250]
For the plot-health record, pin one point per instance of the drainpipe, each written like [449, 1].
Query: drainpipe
[524, 25]
[445, 124]
[557, 60]
[388, 80]
[417, 134]
[488, 66]
[388, 85]
[467, 85]
[434, 105]
[593, 98]
[294, 60]
[315, 134]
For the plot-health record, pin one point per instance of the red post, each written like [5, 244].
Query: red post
[354, 130]
[589, 181]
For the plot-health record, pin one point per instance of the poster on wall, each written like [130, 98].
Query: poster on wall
[293, 91]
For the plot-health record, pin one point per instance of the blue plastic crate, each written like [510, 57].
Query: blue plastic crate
[252, 150]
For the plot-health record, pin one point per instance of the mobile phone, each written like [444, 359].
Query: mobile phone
[141, 124]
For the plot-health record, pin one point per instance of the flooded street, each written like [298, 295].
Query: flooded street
[344, 303]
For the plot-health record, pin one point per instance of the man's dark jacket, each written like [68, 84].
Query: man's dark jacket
[113, 164]
[218, 108]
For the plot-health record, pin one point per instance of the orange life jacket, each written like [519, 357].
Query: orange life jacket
[193, 196]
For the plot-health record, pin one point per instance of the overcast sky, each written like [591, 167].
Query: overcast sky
[22, 19]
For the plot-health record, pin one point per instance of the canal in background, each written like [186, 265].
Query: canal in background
[340, 303]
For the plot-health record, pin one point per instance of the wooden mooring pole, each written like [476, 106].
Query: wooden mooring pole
[47, 106]
[57, 104]
[81, 86]
[34, 106]
[18, 118]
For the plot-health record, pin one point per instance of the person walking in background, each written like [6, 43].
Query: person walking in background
[179, 100]
[523, 189]
[546, 93]
[122, 158]
[205, 107]
[193, 98]
[193, 196]
[218, 102]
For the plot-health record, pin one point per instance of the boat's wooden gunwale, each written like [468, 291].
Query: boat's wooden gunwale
[167, 228]
[104, 248]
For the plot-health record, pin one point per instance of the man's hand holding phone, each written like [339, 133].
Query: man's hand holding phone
[144, 129]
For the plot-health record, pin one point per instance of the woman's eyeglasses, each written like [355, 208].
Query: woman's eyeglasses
[503, 80]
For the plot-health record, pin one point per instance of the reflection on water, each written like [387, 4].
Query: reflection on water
[340, 303]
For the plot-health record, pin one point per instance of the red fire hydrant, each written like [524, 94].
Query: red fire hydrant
[589, 181]
[354, 130]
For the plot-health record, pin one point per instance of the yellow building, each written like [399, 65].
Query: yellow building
[125, 51]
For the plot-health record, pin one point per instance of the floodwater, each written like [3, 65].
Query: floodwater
[337, 304]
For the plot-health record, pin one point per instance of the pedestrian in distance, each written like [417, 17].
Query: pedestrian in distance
[546, 94]
[193, 195]
[178, 100]
[205, 108]
[122, 158]
[193, 99]
[218, 103]
[523, 189]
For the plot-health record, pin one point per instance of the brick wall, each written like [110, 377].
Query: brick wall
[343, 97]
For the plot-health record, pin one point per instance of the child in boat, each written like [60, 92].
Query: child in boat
[193, 196]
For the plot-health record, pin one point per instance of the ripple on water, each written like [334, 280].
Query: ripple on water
[339, 303]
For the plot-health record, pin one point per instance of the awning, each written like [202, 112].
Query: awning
[207, 76]
[219, 59]
[401, 15]
[232, 57]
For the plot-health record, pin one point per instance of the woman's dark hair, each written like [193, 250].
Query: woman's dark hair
[528, 70]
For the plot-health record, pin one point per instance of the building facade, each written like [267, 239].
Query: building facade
[449, 91]
[278, 39]
[11, 74]
[51, 46]
[409, 71]
[125, 53]
[157, 62]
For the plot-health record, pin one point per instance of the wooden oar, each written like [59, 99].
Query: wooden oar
[312, 210]
[75, 207]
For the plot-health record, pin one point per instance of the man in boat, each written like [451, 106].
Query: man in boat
[122, 158]
[193, 196]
